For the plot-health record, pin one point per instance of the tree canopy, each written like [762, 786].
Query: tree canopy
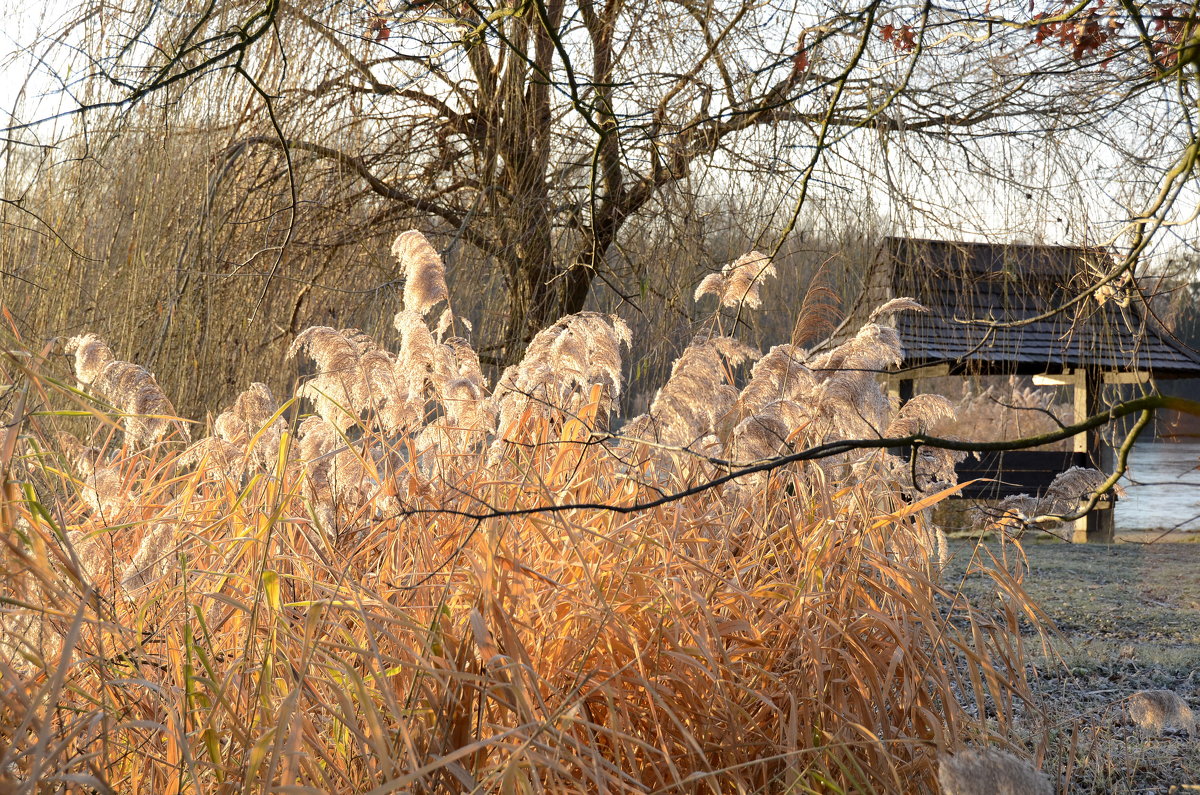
[543, 142]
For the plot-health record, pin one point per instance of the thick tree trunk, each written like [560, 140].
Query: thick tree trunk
[524, 141]
[540, 294]
[531, 304]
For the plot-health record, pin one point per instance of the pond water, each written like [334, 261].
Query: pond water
[1163, 488]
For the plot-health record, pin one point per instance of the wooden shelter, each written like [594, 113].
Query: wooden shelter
[972, 291]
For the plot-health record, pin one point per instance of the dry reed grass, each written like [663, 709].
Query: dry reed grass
[179, 273]
[1010, 407]
[1066, 494]
[426, 588]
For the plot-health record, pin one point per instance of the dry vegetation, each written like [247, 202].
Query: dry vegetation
[184, 282]
[1002, 407]
[1118, 679]
[428, 585]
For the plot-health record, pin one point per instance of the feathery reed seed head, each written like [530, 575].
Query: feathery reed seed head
[423, 271]
[739, 282]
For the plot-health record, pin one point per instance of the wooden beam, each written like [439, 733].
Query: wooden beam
[1080, 399]
[1097, 527]
[1080, 396]
[900, 383]
[893, 390]
[930, 371]
[1127, 377]
[1058, 379]
[1111, 377]
[900, 390]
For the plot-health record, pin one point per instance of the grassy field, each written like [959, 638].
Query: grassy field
[1128, 618]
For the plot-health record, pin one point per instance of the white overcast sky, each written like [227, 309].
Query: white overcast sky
[22, 24]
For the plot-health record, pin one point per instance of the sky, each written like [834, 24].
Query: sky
[21, 25]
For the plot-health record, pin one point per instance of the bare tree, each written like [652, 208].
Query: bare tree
[535, 131]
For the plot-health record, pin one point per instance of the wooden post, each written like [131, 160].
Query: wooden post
[1079, 402]
[900, 391]
[1098, 526]
[901, 386]
[1088, 449]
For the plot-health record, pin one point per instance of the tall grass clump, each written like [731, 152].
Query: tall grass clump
[433, 584]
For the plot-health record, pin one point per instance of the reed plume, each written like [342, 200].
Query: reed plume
[1065, 495]
[441, 378]
[336, 391]
[28, 639]
[761, 436]
[819, 311]
[325, 484]
[91, 356]
[103, 485]
[560, 367]
[422, 363]
[739, 282]
[699, 391]
[796, 398]
[147, 414]
[847, 400]
[919, 414]
[423, 271]
[228, 451]
[153, 560]
[216, 457]
[891, 307]
[1073, 485]
[780, 375]
[932, 468]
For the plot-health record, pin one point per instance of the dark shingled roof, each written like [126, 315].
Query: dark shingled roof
[960, 282]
